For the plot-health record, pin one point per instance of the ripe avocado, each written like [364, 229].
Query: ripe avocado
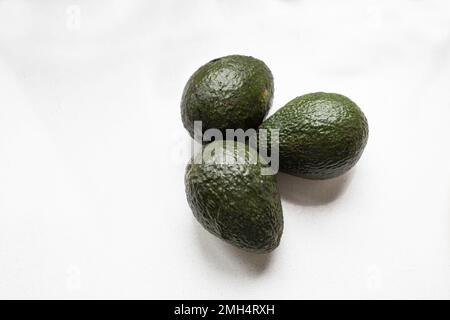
[322, 135]
[234, 201]
[232, 92]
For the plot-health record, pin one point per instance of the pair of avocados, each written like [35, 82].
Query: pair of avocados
[321, 136]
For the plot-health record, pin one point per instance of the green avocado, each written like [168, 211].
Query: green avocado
[321, 135]
[232, 92]
[231, 199]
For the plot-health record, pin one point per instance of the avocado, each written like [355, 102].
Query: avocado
[231, 199]
[232, 92]
[321, 135]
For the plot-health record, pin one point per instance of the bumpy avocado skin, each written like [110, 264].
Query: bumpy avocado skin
[234, 201]
[232, 92]
[322, 135]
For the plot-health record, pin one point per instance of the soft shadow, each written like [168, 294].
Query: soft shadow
[312, 192]
[228, 258]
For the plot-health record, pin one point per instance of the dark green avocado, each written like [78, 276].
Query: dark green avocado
[322, 135]
[232, 199]
[232, 92]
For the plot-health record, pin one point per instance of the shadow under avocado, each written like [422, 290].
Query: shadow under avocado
[312, 192]
[228, 258]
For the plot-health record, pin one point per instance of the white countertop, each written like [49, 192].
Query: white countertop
[92, 149]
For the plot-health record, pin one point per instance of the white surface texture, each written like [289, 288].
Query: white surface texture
[93, 151]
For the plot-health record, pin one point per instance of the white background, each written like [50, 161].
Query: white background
[92, 149]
